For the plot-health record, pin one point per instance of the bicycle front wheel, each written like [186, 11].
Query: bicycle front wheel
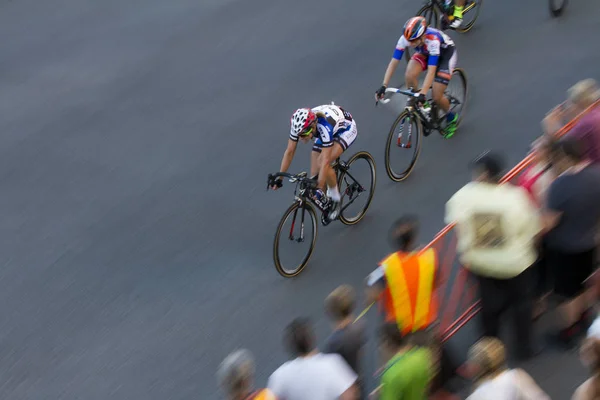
[357, 182]
[557, 7]
[470, 14]
[297, 239]
[403, 140]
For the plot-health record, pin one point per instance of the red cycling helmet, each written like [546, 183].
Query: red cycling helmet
[414, 28]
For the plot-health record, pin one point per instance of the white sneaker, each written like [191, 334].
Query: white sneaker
[456, 23]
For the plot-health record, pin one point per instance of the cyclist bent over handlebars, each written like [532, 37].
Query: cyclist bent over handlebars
[334, 130]
[435, 53]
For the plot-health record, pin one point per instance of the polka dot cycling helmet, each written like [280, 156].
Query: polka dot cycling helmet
[415, 28]
[301, 120]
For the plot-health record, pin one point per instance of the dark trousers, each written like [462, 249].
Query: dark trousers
[514, 294]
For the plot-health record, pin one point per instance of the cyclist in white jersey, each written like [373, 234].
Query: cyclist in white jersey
[435, 53]
[334, 130]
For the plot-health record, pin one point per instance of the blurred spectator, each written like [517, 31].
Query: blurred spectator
[408, 371]
[536, 180]
[581, 96]
[497, 227]
[492, 378]
[572, 219]
[348, 337]
[236, 377]
[406, 283]
[590, 355]
[311, 375]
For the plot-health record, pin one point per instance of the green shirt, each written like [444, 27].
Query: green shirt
[406, 376]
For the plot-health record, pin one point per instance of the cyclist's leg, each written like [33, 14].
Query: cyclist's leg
[341, 144]
[446, 64]
[416, 65]
[315, 159]
[459, 6]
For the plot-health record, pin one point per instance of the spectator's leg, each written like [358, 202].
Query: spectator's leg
[491, 305]
[520, 291]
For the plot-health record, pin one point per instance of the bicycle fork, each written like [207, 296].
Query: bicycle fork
[399, 143]
[301, 238]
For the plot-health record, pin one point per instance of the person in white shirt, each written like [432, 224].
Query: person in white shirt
[493, 379]
[497, 227]
[311, 375]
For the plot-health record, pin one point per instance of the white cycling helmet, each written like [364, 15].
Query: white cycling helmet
[301, 120]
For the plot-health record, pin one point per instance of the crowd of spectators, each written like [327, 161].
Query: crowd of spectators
[532, 247]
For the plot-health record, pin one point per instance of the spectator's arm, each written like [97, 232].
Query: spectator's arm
[343, 378]
[375, 284]
[529, 389]
[350, 394]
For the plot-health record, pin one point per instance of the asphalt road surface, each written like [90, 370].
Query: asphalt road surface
[135, 140]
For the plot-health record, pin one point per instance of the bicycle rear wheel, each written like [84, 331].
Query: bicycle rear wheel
[456, 92]
[557, 7]
[404, 140]
[432, 15]
[470, 14]
[351, 189]
[297, 212]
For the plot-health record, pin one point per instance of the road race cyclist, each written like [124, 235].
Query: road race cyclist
[435, 53]
[335, 131]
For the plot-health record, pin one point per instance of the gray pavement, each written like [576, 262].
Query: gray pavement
[135, 140]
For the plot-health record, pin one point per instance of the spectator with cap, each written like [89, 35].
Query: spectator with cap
[408, 371]
[497, 225]
[348, 337]
[311, 375]
[572, 218]
[405, 284]
[581, 96]
[236, 378]
[493, 380]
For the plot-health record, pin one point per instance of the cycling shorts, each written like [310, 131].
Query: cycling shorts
[445, 66]
[345, 138]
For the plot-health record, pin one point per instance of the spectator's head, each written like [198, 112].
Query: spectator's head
[487, 359]
[403, 233]
[299, 337]
[566, 153]
[340, 303]
[391, 339]
[487, 168]
[236, 374]
[583, 94]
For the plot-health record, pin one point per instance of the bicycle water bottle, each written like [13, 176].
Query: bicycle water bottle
[426, 111]
[320, 198]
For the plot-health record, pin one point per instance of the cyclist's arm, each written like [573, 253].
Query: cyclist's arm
[288, 155]
[396, 57]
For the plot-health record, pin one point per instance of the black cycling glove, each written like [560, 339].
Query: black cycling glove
[381, 91]
[421, 99]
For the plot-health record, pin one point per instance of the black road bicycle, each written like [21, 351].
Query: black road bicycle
[438, 15]
[557, 7]
[305, 202]
[415, 122]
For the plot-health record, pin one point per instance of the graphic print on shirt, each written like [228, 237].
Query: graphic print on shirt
[488, 231]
